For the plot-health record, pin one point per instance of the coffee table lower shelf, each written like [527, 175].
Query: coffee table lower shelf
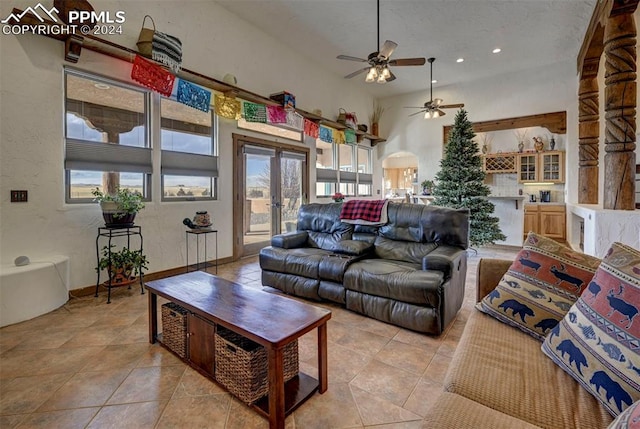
[296, 391]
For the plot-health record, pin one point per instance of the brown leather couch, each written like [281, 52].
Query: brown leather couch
[409, 272]
[500, 379]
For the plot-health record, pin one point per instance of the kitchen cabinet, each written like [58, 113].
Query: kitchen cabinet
[545, 167]
[545, 219]
[499, 163]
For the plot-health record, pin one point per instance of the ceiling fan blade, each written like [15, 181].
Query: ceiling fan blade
[407, 62]
[356, 73]
[391, 77]
[350, 58]
[414, 107]
[417, 113]
[436, 102]
[387, 49]
[440, 112]
[451, 106]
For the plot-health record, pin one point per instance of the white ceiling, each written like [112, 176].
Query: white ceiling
[531, 33]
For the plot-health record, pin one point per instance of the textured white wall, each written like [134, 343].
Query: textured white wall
[31, 136]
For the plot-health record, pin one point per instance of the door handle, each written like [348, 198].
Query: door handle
[276, 204]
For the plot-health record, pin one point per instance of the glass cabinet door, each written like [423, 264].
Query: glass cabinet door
[527, 168]
[552, 167]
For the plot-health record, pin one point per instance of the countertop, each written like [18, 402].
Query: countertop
[552, 203]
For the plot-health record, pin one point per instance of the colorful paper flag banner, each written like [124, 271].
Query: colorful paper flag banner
[152, 76]
[326, 135]
[193, 95]
[253, 112]
[311, 129]
[276, 115]
[227, 107]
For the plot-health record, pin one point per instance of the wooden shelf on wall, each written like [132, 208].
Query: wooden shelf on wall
[74, 44]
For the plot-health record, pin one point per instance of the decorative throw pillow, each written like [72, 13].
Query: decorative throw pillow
[543, 282]
[628, 419]
[598, 341]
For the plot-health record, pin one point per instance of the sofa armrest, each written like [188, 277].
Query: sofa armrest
[490, 271]
[444, 258]
[353, 247]
[290, 240]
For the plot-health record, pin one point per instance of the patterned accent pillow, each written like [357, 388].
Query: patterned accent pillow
[540, 286]
[628, 419]
[598, 341]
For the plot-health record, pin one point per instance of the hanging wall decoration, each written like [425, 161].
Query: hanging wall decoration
[276, 115]
[252, 112]
[338, 136]
[326, 134]
[193, 95]
[311, 129]
[350, 136]
[295, 120]
[152, 76]
[227, 107]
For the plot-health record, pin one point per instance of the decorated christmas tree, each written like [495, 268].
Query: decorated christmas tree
[460, 183]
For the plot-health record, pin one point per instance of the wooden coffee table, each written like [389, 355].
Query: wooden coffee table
[268, 319]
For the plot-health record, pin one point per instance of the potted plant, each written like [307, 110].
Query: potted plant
[122, 266]
[120, 208]
[427, 187]
[375, 117]
[338, 197]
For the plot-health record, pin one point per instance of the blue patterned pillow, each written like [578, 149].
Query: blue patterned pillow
[540, 286]
[598, 341]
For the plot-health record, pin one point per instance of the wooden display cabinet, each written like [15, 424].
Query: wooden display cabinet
[541, 167]
[496, 163]
[548, 220]
[201, 342]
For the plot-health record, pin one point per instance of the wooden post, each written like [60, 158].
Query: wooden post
[620, 107]
[588, 133]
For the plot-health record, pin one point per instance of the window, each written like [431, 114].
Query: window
[365, 178]
[326, 174]
[348, 176]
[270, 129]
[188, 162]
[106, 136]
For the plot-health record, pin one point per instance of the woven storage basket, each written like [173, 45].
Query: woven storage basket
[145, 39]
[241, 365]
[174, 328]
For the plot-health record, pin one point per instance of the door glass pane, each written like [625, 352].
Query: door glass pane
[291, 188]
[257, 204]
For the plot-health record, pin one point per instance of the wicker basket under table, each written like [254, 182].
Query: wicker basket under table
[242, 367]
[174, 328]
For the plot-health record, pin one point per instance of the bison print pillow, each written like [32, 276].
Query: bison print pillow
[540, 286]
[598, 341]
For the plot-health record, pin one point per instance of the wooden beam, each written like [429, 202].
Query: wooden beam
[555, 122]
[594, 31]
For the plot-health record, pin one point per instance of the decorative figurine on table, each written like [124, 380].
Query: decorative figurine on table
[538, 144]
[201, 220]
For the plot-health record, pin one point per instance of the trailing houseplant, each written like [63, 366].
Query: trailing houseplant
[122, 266]
[120, 208]
[427, 187]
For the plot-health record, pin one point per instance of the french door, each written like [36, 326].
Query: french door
[270, 184]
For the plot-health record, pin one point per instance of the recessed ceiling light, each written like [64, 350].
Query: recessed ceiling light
[101, 85]
[434, 81]
[459, 60]
[496, 50]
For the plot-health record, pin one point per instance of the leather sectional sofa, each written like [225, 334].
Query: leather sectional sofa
[409, 272]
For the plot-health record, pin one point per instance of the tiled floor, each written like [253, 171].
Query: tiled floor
[89, 364]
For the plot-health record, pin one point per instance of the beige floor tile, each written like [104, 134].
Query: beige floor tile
[26, 394]
[47, 339]
[416, 424]
[11, 422]
[124, 356]
[423, 396]
[157, 355]
[429, 342]
[8, 340]
[243, 417]
[148, 384]
[437, 368]
[85, 389]
[362, 341]
[193, 383]
[68, 419]
[140, 415]
[335, 408]
[375, 410]
[17, 363]
[196, 412]
[385, 381]
[411, 358]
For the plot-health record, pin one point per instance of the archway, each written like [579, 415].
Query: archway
[400, 175]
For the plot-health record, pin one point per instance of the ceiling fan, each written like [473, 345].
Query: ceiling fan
[432, 108]
[379, 62]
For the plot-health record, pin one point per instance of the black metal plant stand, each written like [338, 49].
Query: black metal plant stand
[110, 233]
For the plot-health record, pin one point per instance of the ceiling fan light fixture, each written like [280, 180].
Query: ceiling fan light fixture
[381, 78]
[372, 75]
[435, 114]
[427, 114]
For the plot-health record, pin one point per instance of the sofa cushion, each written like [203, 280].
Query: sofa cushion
[353, 247]
[542, 283]
[304, 261]
[451, 411]
[401, 281]
[598, 342]
[402, 250]
[628, 419]
[322, 223]
[504, 369]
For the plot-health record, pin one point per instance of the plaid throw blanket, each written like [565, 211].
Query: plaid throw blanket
[167, 49]
[364, 212]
